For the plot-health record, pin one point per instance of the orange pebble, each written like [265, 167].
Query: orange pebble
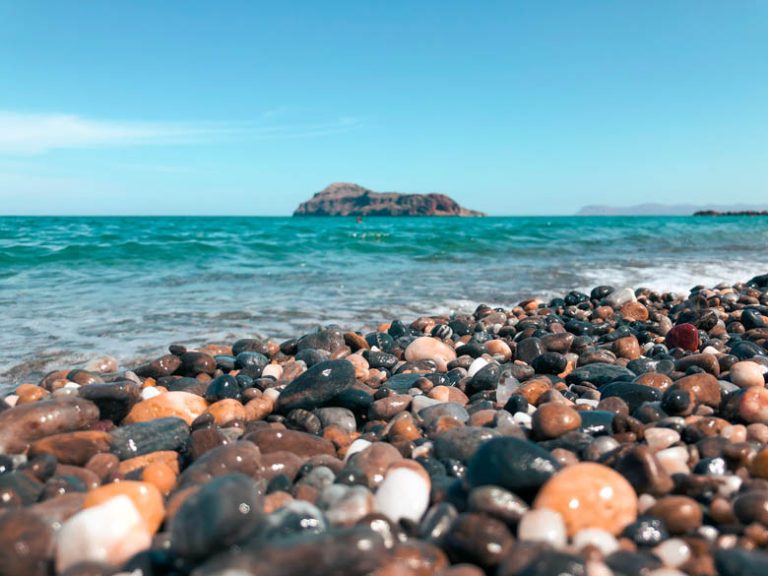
[161, 476]
[30, 393]
[145, 496]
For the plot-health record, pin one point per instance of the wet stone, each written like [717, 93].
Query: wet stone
[461, 443]
[600, 374]
[517, 465]
[225, 511]
[478, 539]
[152, 436]
[317, 385]
[114, 399]
[633, 394]
[27, 543]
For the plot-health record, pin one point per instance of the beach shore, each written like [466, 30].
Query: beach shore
[612, 432]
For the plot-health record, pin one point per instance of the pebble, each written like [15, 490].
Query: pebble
[184, 405]
[680, 514]
[317, 385]
[589, 495]
[428, 348]
[519, 466]
[95, 535]
[404, 492]
[552, 420]
[542, 525]
[747, 373]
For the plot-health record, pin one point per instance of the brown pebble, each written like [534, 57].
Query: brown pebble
[552, 420]
[680, 514]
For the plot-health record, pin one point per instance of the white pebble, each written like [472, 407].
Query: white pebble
[673, 552]
[731, 484]
[273, 370]
[357, 446]
[477, 365]
[644, 502]
[111, 532]
[420, 402]
[600, 539]
[666, 572]
[674, 460]
[542, 525]
[149, 392]
[404, 493]
[11, 400]
[661, 438]
[271, 394]
[506, 389]
[587, 402]
[522, 419]
[595, 568]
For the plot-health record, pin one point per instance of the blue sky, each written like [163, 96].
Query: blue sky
[246, 107]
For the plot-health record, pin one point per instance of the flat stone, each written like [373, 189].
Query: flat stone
[73, 447]
[152, 436]
[317, 386]
[146, 497]
[600, 374]
[461, 443]
[747, 373]
[299, 443]
[22, 425]
[182, 405]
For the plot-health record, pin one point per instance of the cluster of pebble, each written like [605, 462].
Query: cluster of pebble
[620, 432]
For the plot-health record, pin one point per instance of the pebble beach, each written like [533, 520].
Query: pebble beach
[615, 431]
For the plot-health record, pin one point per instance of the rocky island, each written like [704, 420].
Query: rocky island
[346, 199]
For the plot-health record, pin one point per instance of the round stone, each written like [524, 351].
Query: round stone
[428, 348]
[552, 420]
[590, 495]
[747, 373]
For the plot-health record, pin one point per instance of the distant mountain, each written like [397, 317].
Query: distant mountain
[345, 199]
[652, 209]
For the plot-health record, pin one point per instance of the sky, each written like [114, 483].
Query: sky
[250, 107]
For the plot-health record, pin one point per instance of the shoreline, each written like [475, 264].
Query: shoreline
[475, 443]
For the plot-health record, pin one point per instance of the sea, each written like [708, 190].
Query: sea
[73, 288]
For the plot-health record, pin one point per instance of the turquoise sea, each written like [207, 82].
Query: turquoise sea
[73, 287]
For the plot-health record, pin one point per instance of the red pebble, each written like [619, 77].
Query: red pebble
[685, 336]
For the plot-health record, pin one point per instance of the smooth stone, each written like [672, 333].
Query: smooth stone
[753, 405]
[673, 552]
[685, 336]
[355, 551]
[223, 387]
[145, 497]
[461, 443]
[182, 405]
[738, 562]
[72, 447]
[751, 507]
[152, 436]
[620, 297]
[428, 348]
[222, 513]
[589, 495]
[22, 425]
[747, 373]
[243, 457]
[497, 502]
[704, 387]
[597, 422]
[646, 531]
[549, 363]
[193, 363]
[431, 414]
[660, 438]
[600, 374]
[299, 443]
[317, 385]
[519, 466]
[404, 493]
[93, 534]
[27, 543]
[478, 539]
[680, 514]
[163, 366]
[627, 347]
[633, 394]
[644, 471]
[114, 399]
[542, 525]
[373, 461]
[549, 563]
[600, 539]
[487, 378]
[102, 364]
[552, 420]
[341, 417]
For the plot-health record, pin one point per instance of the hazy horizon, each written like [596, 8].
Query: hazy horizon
[510, 108]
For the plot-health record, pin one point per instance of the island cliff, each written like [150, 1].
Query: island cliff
[345, 199]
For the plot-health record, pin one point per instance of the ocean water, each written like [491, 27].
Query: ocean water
[73, 288]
